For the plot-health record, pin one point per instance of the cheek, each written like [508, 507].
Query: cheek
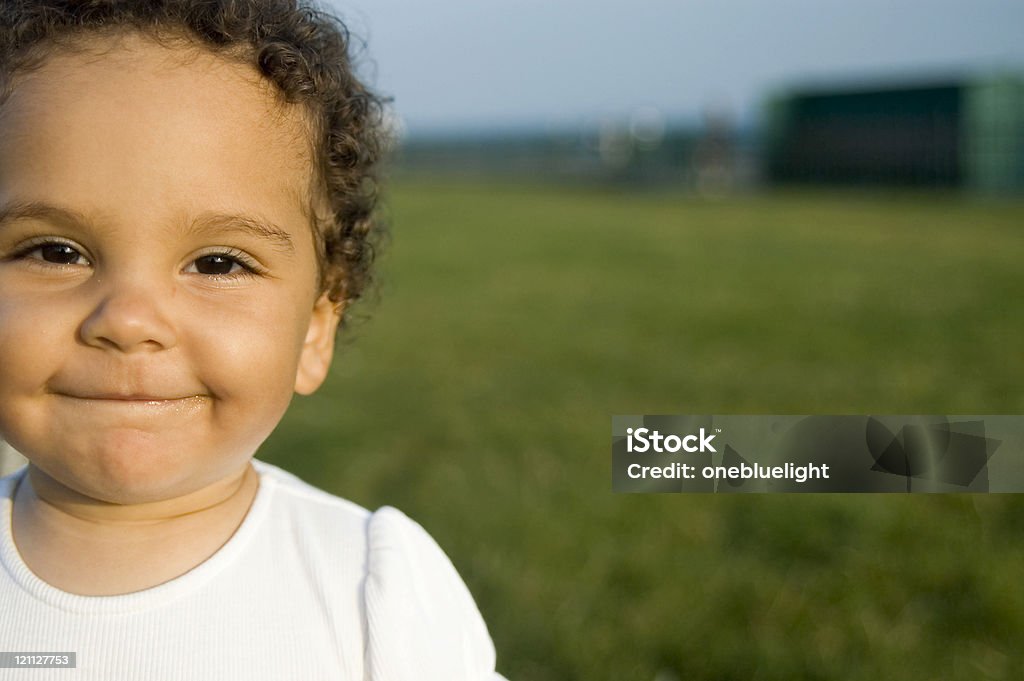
[248, 352]
[29, 333]
[29, 353]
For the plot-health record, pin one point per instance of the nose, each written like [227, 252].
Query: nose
[130, 317]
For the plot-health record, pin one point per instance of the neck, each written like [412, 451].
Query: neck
[95, 548]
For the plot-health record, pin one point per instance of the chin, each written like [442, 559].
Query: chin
[129, 471]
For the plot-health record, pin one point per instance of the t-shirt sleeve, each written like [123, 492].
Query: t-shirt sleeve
[422, 622]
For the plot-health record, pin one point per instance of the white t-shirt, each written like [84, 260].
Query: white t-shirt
[309, 587]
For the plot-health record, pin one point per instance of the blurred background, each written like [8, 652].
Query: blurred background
[684, 207]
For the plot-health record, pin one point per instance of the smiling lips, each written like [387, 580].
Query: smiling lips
[118, 397]
[136, 403]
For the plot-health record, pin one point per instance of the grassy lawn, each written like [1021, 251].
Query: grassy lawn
[513, 322]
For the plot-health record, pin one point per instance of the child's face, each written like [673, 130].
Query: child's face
[139, 359]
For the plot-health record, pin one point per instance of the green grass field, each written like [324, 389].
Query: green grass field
[513, 322]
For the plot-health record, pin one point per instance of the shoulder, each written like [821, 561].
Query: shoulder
[296, 491]
[298, 508]
[422, 622]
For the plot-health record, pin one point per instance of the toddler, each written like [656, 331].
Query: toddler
[187, 195]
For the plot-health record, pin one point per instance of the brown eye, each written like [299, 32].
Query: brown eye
[214, 264]
[60, 254]
[224, 265]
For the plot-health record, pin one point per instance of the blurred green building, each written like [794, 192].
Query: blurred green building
[966, 133]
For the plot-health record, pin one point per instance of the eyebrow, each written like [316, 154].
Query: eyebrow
[250, 224]
[19, 210]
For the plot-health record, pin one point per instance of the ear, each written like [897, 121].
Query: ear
[318, 348]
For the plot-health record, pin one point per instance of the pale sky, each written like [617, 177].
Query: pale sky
[475, 64]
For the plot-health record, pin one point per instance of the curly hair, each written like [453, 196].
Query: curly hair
[303, 50]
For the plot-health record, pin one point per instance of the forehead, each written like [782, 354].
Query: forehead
[138, 131]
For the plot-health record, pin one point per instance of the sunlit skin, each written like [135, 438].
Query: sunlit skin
[145, 353]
